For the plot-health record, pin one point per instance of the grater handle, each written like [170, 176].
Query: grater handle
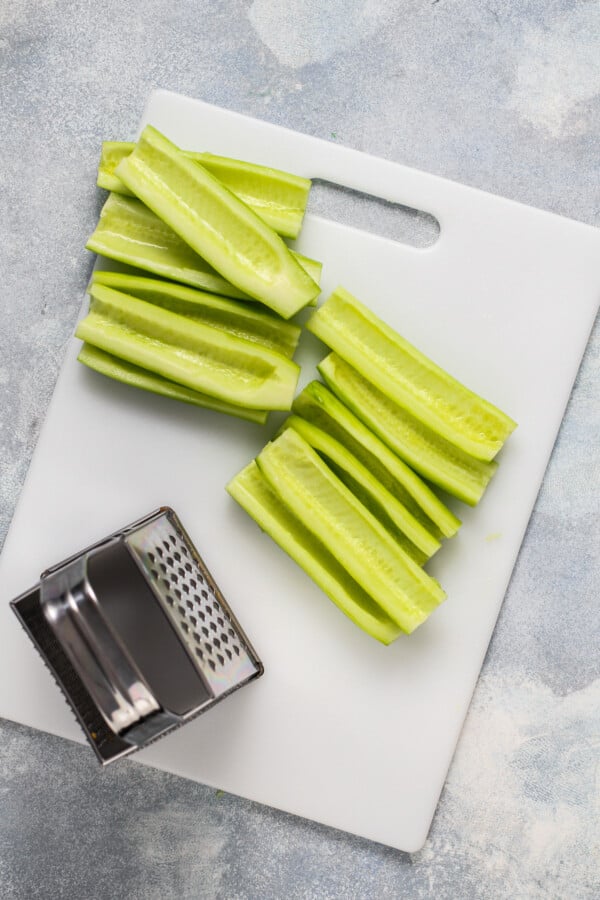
[110, 676]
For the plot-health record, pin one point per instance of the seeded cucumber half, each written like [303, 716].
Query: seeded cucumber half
[408, 531]
[216, 224]
[253, 493]
[315, 495]
[250, 322]
[278, 197]
[409, 378]
[195, 355]
[317, 404]
[130, 233]
[134, 376]
[432, 456]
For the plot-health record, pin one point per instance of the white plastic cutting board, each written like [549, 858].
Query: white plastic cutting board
[339, 729]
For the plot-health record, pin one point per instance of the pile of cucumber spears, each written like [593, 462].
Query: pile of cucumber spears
[344, 487]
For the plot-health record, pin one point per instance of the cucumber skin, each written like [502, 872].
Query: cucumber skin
[449, 408]
[473, 476]
[405, 592]
[148, 172]
[134, 376]
[252, 492]
[317, 404]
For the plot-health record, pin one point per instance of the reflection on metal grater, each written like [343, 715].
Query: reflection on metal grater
[137, 635]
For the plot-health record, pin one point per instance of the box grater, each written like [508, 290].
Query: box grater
[137, 635]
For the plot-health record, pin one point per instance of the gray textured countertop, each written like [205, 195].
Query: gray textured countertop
[501, 96]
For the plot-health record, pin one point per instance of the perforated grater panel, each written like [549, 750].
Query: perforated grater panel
[193, 603]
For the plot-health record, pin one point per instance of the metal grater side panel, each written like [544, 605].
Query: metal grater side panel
[107, 745]
[194, 604]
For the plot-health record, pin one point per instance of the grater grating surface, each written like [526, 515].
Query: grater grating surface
[193, 603]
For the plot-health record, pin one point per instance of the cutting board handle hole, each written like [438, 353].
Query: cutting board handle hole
[374, 214]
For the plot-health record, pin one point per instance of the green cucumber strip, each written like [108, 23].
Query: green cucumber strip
[218, 226]
[197, 356]
[312, 266]
[308, 487]
[380, 514]
[408, 377]
[130, 233]
[235, 317]
[278, 197]
[432, 456]
[110, 156]
[254, 494]
[127, 373]
[318, 405]
[373, 494]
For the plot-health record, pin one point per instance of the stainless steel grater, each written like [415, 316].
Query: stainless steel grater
[137, 635]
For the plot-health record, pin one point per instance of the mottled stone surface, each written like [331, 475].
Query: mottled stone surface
[501, 96]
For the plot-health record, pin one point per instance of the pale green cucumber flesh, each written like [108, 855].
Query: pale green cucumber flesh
[350, 532]
[430, 455]
[218, 226]
[256, 497]
[371, 502]
[127, 373]
[109, 182]
[279, 198]
[197, 356]
[111, 155]
[313, 267]
[233, 316]
[130, 233]
[384, 506]
[408, 377]
[317, 404]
